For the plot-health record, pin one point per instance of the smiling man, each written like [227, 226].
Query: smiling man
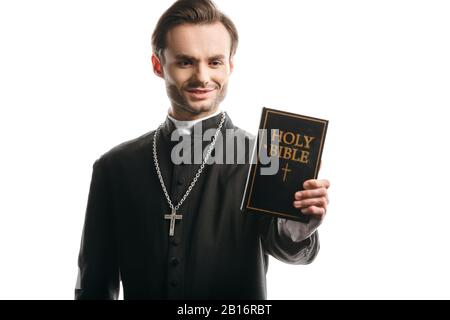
[175, 231]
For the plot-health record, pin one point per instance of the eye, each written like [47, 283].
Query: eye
[184, 63]
[216, 63]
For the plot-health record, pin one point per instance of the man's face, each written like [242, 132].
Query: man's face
[196, 68]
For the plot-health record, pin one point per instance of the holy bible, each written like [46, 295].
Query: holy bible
[287, 153]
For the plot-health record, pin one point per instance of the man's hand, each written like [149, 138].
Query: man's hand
[314, 199]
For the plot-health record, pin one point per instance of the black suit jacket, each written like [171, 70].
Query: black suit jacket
[218, 252]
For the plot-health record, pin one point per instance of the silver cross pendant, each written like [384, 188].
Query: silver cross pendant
[173, 217]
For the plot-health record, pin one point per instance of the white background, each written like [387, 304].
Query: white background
[76, 80]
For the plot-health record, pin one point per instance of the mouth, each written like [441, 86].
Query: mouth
[199, 93]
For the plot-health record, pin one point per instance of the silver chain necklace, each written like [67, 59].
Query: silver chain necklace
[174, 216]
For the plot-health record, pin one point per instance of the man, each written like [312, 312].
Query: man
[170, 230]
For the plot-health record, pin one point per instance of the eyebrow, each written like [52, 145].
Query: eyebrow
[187, 57]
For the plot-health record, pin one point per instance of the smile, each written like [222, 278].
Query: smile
[199, 93]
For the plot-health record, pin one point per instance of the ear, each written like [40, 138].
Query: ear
[231, 64]
[157, 66]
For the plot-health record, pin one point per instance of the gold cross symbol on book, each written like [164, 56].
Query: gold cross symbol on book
[173, 216]
[286, 170]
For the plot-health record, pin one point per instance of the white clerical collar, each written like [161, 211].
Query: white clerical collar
[185, 127]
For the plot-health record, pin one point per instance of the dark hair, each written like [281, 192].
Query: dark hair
[192, 12]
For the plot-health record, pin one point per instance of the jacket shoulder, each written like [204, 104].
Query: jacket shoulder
[129, 148]
[242, 133]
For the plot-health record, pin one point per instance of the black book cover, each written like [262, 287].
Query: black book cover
[296, 143]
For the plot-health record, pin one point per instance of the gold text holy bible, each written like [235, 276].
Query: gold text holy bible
[287, 153]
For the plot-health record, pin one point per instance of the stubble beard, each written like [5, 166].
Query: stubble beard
[181, 103]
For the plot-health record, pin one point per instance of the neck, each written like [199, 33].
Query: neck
[183, 115]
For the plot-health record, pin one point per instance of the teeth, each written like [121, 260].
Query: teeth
[199, 91]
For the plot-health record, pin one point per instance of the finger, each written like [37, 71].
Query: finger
[318, 202]
[315, 193]
[314, 211]
[315, 184]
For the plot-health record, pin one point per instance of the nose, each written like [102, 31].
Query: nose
[202, 73]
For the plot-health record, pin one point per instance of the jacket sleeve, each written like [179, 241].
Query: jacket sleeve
[285, 246]
[98, 270]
